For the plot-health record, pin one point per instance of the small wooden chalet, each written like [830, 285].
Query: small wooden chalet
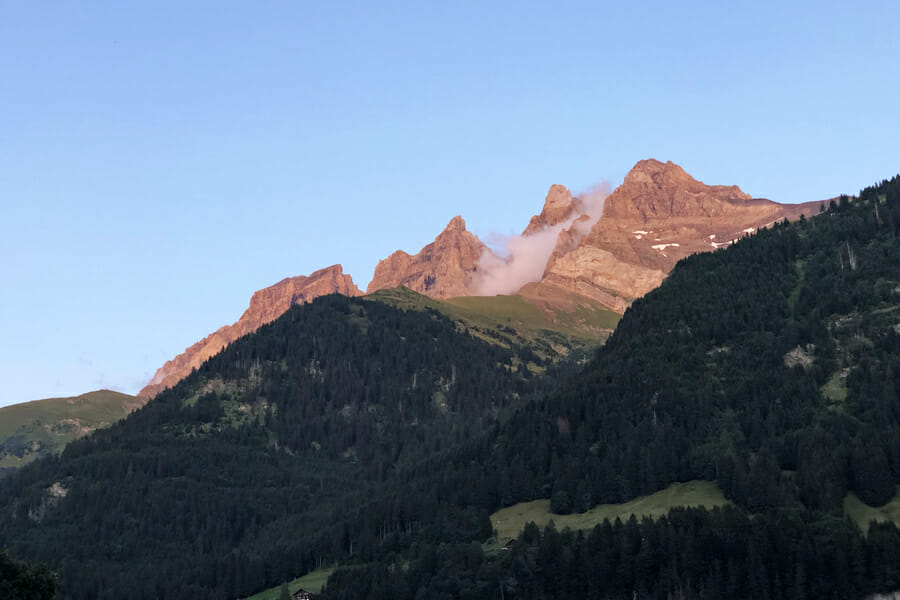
[302, 594]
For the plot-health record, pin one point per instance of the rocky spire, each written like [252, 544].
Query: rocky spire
[442, 269]
[559, 206]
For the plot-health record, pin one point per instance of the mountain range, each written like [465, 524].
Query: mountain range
[736, 436]
[580, 257]
[588, 250]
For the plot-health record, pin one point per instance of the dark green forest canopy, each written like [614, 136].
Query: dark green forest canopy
[23, 581]
[690, 553]
[249, 471]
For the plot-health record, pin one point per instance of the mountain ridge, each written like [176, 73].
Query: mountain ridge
[442, 269]
[266, 305]
[658, 215]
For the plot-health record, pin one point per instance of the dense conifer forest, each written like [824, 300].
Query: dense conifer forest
[242, 475]
[23, 581]
[352, 432]
[691, 553]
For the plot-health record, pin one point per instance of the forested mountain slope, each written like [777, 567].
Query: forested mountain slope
[771, 368]
[23, 581]
[229, 481]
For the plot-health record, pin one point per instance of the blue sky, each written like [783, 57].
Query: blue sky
[161, 161]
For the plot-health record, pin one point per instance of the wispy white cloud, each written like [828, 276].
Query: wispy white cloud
[520, 259]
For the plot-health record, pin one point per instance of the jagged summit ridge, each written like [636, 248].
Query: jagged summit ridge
[659, 215]
[457, 223]
[266, 305]
[559, 206]
[612, 249]
[442, 269]
[654, 190]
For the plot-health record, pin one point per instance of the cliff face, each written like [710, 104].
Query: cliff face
[659, 215]
[655, 190]
[442, 269]
[266, 305]
[611, 249]
[559, 206]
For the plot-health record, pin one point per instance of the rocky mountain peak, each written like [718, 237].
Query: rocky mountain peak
[658, 215]
[270, 303]
[654, 190]
[456, 224]
[442, 269]
[650, 169]
[559, 206]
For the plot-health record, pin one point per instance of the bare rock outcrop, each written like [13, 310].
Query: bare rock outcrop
[442, 269]
[659, 215]
[266, 305]
[559, 206]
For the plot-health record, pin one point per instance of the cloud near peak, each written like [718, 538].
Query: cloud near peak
[522, 259]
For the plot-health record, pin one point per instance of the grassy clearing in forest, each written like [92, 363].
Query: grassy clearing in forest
[862, 514]
[510, 521]
[313, 581]
[498, 319]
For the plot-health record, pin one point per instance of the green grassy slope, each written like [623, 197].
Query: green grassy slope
[586, 321]
[313, 582]
[33, 429]
[575, 322]
[862, 514]
[510, 521]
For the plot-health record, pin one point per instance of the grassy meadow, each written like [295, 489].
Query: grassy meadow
[32, 429]
[510, 521]
[568, 321]
[862, 514]
[313, 581]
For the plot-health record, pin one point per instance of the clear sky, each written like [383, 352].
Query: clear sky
[160, 161]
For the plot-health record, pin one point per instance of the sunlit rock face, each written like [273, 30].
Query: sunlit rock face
[266, 305]
[659, 215]
[442, 269]
[559, 207]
